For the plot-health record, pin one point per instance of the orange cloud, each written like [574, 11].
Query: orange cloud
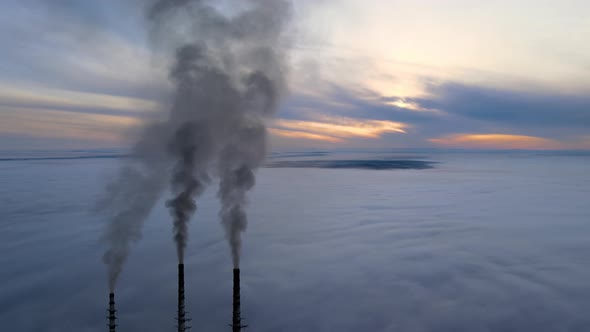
[336, 129]
[60, 124]
[496, 141]
[56, 99]
[303, 135]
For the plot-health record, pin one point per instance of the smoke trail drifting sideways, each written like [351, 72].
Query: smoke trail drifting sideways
[129, 199]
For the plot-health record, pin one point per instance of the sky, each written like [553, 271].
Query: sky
[362, 74]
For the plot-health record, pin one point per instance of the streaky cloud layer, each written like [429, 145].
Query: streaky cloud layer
[503, 141]
[336, 129]
[437, 70]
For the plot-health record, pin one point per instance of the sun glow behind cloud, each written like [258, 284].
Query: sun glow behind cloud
[493, 43]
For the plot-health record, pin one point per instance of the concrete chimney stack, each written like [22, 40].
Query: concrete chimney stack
[112, 313]
[236, 319]
[182, 320]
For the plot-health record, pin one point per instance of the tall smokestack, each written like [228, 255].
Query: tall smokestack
[236, 319]
[182, 320]
[112, 313]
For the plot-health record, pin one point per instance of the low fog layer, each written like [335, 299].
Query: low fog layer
[478, 243]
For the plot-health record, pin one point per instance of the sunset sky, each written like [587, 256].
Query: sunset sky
[364, 74]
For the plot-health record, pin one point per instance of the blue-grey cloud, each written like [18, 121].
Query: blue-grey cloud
[509, 107]
[353, 102]
[94, 47]
[451, 107]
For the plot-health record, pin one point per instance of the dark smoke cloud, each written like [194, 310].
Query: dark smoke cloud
[187, 179]
[229, 77]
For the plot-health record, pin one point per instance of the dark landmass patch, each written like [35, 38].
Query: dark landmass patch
[299, 154]
[378, 164]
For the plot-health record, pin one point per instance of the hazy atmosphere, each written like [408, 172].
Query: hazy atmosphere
[286, 165]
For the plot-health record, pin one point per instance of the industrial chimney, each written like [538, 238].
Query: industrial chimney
[182, 320]
[236, 320]
[112, 317]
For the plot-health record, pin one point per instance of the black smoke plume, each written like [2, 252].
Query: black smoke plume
[187, 180]
[229, 77]
[228, 63]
